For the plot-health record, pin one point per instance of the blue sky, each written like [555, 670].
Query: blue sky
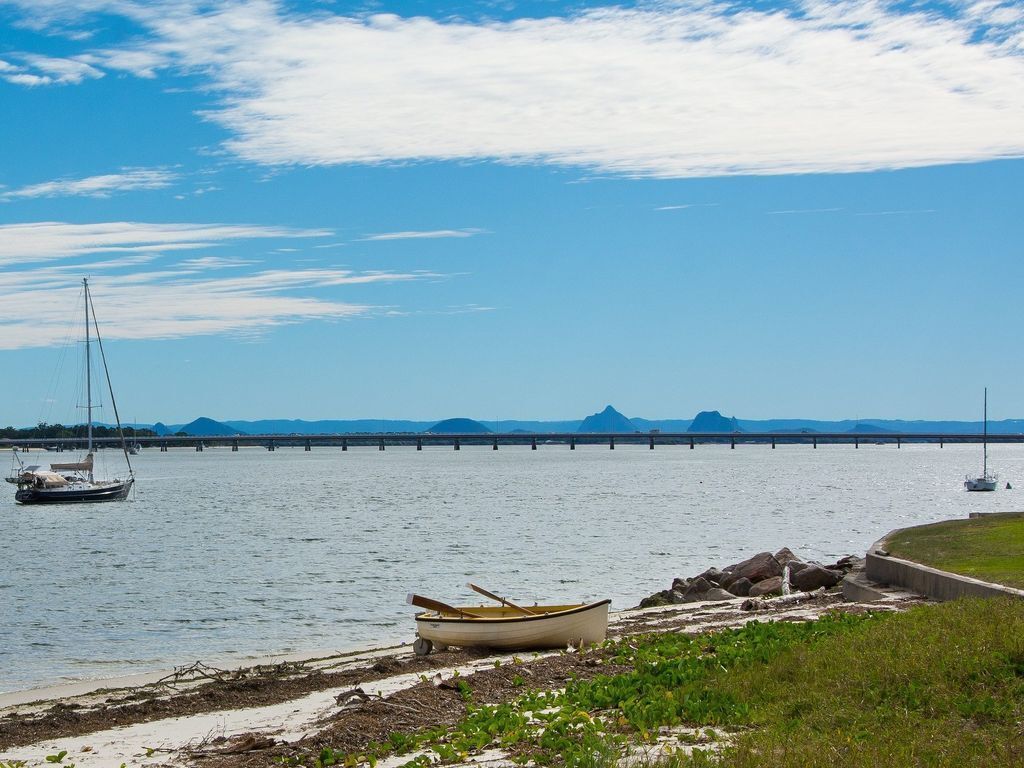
[515, 210]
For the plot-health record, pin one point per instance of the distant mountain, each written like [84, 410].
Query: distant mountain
[608, 420]
[204, 427]
[713, 421]
[328, 426]
[459, 427]
[868, 429]
[161, 429]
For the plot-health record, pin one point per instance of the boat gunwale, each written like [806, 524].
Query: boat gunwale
[509, 619]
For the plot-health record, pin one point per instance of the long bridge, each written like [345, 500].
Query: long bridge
[382, 440]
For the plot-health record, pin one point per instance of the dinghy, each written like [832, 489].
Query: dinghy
[507, 627]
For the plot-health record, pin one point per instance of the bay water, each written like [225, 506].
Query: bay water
[225, 557]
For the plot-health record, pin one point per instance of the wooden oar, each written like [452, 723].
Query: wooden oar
[502, 600]
[436, 605]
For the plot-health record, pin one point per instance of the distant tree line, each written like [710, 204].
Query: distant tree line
[44, 431]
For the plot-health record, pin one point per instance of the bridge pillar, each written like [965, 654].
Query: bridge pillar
[495, 446]
[419, 443]
[732, 443]
[941, 444]
[199, 447]
[344, 443]
[651, 446]
[572, 443]
[773, 443]
[457, 446]
[309, 447]
[163, 447]
[856, 442]
[234, 446]
[271, 446]
[611, 443]
[899, 443]
[815, 441]
[691, 443]
[380, 446]
[533, 443]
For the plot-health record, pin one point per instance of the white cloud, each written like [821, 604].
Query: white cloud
[129, 179]
[52, 240]
[670, 91]
[49, 70]
[174, 304]
[667, 90]
[423, 235]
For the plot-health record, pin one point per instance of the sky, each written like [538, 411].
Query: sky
[509, 210]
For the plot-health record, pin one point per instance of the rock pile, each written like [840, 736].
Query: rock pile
[757, 576]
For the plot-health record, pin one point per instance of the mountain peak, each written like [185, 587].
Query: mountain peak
[608, 420]
[713, 421]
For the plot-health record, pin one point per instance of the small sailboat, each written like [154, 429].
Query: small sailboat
[987, 481]
[507, 626]
[75, 482]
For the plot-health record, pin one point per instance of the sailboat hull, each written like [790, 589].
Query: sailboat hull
[980, 484]
[77, 493]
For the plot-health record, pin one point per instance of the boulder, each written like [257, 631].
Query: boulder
[680, 583]
[795, 567]
[698, 586]
[740, 587]
[717, 594]
[769, 586]
[814, 576]
[785, 555]
[713, 575]
[658, 598]
[761, 566]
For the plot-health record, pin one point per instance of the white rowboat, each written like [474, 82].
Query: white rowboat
[508, 628]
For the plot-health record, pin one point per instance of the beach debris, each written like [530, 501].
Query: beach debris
[191, 672]
[352, 698]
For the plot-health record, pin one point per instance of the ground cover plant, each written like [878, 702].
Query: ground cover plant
[986, 548]
[936, 686]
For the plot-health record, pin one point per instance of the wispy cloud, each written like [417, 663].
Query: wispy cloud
[37, 70]
[127, 180]
[51, 240]
[792, 211]
[423, 235]
[663, 90]
[176, 303]
[684, 206]
[896, 213]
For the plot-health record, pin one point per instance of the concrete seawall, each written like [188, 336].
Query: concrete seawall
[938, 585]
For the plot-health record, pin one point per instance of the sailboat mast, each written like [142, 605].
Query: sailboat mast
[88, 367]
[984, 439]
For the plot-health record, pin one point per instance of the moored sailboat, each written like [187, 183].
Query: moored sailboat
[987, 481]
[75, 482]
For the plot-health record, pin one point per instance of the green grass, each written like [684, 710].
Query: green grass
[986, 548]
[939, 686]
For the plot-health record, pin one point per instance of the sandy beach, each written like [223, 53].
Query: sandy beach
[295, 706]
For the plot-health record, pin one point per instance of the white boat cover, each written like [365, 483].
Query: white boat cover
[81, 466]
[44, 478]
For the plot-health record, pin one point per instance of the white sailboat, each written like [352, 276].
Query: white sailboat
[75, 482]
[987, 481]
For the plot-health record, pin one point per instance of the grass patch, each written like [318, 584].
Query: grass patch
[938, 686]
[986, 548]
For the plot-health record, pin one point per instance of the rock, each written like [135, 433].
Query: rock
[698, 586]
[680, 583]
[717, 594]
[713, 575]
[657, 599]
[678, 596]
[740, 587]
[758, 568]
[769, 586]
[814, 576]
[750, 605]
[795, 567]
[785, 555]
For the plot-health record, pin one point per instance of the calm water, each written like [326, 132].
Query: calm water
[224, 556]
